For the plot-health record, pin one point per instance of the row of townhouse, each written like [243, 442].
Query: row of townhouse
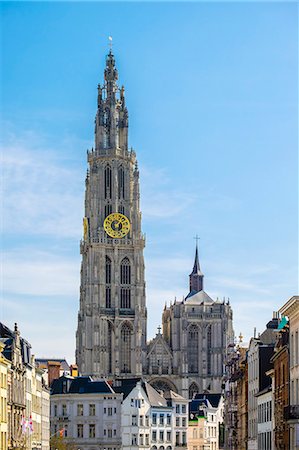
[129, 414]
[262, 386]
[25, 399]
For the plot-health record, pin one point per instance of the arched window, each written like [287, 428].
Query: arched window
[209, 345]
[125, 281]
[108, 182]
[108, 281]
[125, 271]
[193, 349]
[125, 349]
[193, 389]
[121, 183]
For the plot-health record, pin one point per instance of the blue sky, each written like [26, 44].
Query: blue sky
[212, 94]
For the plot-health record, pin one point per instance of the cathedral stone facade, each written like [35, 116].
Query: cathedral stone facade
[188, 356]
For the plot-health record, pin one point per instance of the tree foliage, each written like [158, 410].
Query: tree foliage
[60, 443]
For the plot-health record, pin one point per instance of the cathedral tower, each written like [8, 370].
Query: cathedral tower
[111, 334]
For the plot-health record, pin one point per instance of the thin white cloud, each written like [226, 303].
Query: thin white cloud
[160, 198]
[30, 272]
[41, 195]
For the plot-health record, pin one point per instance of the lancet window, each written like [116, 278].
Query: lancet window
[193, 349]
[125, 281]
[121, 183]
[108, 182]
[108, 282]
[125, 348]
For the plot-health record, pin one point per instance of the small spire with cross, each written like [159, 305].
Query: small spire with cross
[197, 238]
[196, 276]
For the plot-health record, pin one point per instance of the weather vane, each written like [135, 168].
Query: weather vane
[110, 42]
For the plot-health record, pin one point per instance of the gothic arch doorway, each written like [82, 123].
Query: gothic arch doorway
[162, 384]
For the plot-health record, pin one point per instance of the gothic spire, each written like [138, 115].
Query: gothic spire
[111, 128]
[196, 276]
[111, 76]
[196, 267]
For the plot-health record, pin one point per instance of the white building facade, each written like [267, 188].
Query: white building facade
[265, 422]
[152, 421]
[86, 413]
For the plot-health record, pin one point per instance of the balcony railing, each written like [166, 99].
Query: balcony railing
[291, 412]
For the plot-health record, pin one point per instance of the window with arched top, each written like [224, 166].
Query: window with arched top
[108, 281]
[193, 390]
[209, 349]
[125, 281]
[121, 183]
[125, 271]
[125, 348]
[192, 351]
[108, 182]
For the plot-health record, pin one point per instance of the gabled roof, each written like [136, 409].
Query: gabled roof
[214, 399]
[154, 342]
[173, 396]
[153, 396]
[125, 386]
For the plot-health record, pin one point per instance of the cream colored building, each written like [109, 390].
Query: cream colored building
[21, 401]
[196, 432]
[4, 369]
[291, 310]
[206, 435]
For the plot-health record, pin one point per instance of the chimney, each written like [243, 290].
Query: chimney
[53, 371]
[74, 370]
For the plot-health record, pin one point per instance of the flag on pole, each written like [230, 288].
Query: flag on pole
[30, 425]
[24, 424]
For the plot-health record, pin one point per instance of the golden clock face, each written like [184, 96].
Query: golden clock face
[117, 225]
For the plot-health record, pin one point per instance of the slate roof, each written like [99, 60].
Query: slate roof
[43, 363]
[196, 298]
[199, 399]
[80, 385]
[125, 386]
[7, 336]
